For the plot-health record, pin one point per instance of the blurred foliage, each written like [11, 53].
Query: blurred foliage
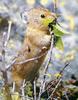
[28, 89]
[16, 96]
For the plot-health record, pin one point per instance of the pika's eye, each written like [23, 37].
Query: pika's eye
[42, 16]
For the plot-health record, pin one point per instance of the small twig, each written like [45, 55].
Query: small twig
[8, 33]
[6, 36]
[23, 90]
[31, 59]
[23, 86]
[59, 80]
[13, 89]
[50, 52]
[35, 90]
[48, 62]
[10, 65]
[55, 6]
[3, 51]
[3, 57]
[55, 89]
[6, 86]
[50, 55]
[66, 95]
[61, 72]
[40, 92]
[25, 61]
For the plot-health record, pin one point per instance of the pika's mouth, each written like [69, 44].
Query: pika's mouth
[50, 25]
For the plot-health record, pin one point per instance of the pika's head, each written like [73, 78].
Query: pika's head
[40, 18]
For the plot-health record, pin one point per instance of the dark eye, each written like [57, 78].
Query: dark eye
[42, 16]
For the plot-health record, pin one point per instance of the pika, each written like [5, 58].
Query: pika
[36, 42]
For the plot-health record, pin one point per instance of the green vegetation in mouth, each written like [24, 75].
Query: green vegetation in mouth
[46, 21]
[58, 32]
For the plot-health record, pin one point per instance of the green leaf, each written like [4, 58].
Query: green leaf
[58, 31]
[59, 44]
[46, 21]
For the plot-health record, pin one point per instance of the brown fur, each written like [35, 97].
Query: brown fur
[36, 42]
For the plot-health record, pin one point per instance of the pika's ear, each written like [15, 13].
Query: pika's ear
[24, 16]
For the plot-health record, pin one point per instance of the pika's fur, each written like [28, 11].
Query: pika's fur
[36, 42]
